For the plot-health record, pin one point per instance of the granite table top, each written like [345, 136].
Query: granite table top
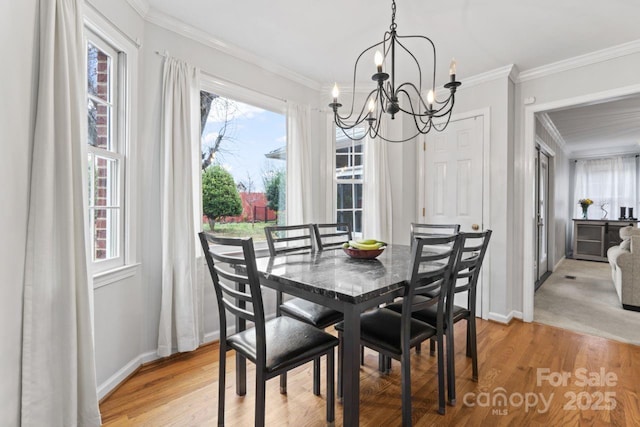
[333, 274]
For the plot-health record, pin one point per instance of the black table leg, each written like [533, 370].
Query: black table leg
[351, 366]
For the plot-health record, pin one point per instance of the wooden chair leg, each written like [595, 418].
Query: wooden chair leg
[389, 359]
[331, 401]
[471, 325]
[419, 349]
[432, 347]
[316, 376]
[260, 399]
[221, 384]
[361, 355]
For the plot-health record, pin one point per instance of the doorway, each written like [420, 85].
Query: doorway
[541, 264]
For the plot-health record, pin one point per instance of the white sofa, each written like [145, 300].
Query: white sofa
[625, 268]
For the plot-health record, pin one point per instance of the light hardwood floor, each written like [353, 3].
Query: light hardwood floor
[183, 391]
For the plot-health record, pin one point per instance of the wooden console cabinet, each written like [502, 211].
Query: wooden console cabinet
[592, 238]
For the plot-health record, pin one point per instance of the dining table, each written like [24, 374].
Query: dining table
[349, 285]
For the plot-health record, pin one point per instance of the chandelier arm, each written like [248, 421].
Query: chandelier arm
[341, 120]
[417, 93]
[433, 49]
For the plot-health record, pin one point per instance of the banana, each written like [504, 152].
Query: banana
[367, 241]
[365, 247]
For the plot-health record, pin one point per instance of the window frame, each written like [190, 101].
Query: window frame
[102, 34]
[352, 181]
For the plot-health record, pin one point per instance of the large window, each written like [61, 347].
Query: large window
[349, 169]
[243, 167]
[105, 153]
[611, 183]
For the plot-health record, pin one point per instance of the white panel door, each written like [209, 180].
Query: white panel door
[453, 174]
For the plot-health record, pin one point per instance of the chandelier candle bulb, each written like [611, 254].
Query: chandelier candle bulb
[378, 59]
[335, 92]
[431, 97]
[452, 68]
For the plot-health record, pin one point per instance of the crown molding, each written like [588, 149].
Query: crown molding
[141, 7]
[172, 24]
[580, 61]
[548, 124]
[510, 71]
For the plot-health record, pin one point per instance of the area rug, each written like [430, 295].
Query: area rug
[580, 296]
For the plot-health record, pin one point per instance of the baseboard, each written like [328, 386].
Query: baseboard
[114, 381]
[555, 267]
[631, 307]
[501, 318]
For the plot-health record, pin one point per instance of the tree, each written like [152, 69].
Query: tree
[250, 197]
[223, 111]
[219, 194]
[274, 182]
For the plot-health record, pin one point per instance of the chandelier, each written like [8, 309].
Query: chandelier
[385, 97]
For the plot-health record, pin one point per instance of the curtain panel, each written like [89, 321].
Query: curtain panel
[58, 361]
[377, 205]
[181, 311]
[298, 204]
[612, 182]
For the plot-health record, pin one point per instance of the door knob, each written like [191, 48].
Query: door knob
[475, 227]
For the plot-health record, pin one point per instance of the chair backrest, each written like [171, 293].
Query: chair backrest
[331, 236]
[426, 230]
[230, 284]
[431, 272]
[284, 239]
[473, 248]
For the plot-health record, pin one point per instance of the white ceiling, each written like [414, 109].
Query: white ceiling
[612, 126]
[321, 39]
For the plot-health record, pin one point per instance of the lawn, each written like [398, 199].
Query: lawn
[240, 229]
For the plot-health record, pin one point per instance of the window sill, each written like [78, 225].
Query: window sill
[115, 275]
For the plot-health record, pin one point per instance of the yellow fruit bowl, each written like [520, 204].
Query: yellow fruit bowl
[363, 254]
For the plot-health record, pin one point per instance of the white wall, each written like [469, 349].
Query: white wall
[17, 31]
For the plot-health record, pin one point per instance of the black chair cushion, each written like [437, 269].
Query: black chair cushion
[381, 328]
[310, 312]
[428, 315]
[288, 343]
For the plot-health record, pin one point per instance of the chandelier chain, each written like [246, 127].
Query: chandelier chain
[393, 25]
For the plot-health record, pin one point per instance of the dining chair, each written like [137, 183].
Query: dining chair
[292, 239]
[393, 333]
[332, 236]
[473, 248]
[427, 230]
[275, 346]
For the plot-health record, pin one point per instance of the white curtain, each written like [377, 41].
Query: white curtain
[377, 206]
[612, 181]
[182, 292]
[298, 205]
[58, 364]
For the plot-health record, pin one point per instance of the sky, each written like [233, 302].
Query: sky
[252, 132]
